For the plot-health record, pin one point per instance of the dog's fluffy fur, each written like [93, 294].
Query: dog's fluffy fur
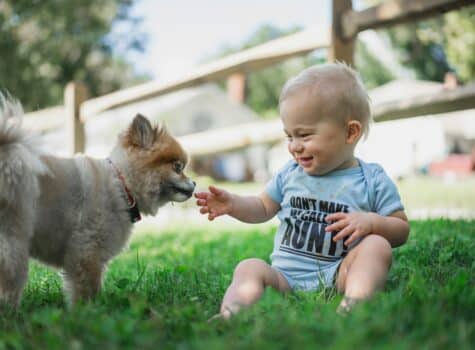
[72, 213]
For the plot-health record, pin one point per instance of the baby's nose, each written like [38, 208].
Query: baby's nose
[296, 146]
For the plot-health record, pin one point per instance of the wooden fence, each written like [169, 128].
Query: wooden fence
[340, 41]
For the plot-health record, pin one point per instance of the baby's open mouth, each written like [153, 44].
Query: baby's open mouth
[305, 161]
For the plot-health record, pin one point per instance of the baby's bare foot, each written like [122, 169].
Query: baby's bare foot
[347, 305]
[222, 316]
[226, 313]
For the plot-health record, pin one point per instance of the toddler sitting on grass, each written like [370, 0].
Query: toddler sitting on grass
[339, 216]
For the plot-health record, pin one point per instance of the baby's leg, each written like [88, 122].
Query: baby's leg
[364, 270]
[250, 278]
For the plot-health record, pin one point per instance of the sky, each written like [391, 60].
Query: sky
[182, 33]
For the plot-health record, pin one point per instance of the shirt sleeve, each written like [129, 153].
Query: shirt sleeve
[387, 199]
[274, 187]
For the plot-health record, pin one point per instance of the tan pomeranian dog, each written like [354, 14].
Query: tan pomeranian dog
[77, 213]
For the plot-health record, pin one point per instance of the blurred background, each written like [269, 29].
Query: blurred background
[213, 73]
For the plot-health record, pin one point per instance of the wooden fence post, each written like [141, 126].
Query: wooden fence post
[236, 87]
[340, 49]
[74, 94]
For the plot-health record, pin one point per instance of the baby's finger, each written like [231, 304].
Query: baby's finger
[335, 217]
[214, 190]
[352, 238]
[337, 226]
[201, 202]
[204, 210]
[201, 195]
[343, 233]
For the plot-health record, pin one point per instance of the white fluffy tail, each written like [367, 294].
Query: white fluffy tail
[20, 162]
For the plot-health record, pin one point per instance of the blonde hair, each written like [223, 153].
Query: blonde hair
[337, 88]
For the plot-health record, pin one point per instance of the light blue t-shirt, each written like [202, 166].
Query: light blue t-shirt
[305, 200]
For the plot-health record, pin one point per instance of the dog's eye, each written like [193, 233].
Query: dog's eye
[178, 167]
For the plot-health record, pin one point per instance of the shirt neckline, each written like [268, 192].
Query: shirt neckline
[342, 172]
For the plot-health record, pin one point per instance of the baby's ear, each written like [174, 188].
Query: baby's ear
[141, 134]
[353, 131]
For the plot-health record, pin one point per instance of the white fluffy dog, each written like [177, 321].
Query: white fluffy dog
[77, 213]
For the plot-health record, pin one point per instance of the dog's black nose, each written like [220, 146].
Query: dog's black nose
[194, 183]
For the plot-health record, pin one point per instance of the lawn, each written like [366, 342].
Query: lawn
[159, 293]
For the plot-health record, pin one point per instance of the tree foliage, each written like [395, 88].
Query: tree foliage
[372, 71]
[438, 45]
[459, 41]
[430, 48]
[44, 44]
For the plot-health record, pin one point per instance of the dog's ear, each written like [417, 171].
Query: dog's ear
[162, 131]
[141, 133]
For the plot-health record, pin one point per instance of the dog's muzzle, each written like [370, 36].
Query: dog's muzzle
[186, 188]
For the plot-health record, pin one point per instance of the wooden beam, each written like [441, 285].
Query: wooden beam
[264, 132]
[74, 95]
[443, 102]
[341, 49]
[258, 57]
[236, 87]
[235, 138]
[394, 12]
[232, 138]
[44, 120]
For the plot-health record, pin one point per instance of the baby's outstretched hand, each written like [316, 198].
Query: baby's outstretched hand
[216, 202]
[352, 225]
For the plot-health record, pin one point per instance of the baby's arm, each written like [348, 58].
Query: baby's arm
[394, 227]
[251, 209]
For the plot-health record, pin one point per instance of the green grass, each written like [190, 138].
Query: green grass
[429, 192]
[159, 293]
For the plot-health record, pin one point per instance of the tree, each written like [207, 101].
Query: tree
[442, 44]
[459, 41]
[372, 71]
[420, 48]
[44, 44]
[433, 47]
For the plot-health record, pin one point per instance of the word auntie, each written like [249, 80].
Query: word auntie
[305, 233]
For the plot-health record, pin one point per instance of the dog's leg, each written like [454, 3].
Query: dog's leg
[83, 278]
[13, 267]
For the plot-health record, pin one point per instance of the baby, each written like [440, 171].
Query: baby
[339, 216]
